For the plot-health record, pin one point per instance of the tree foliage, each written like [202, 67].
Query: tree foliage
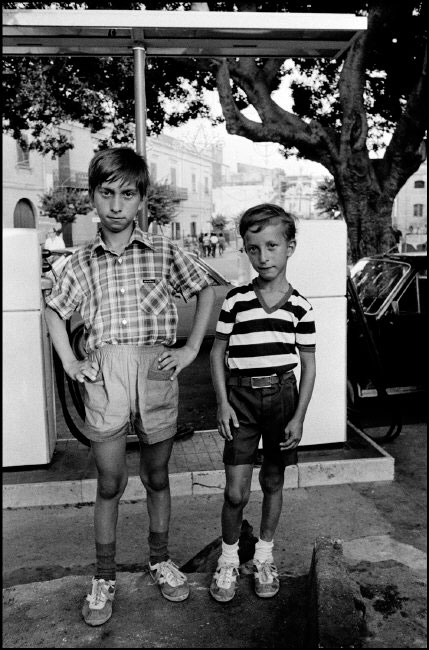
[64, 203]
[219, 222]
[370, 101]
[327, 203]
[162, 202]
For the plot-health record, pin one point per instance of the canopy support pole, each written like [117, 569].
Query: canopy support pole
[140, 117]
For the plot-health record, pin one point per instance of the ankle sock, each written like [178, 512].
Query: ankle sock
[106, 565]
[229, 554]
[263, 551]
[158, 547]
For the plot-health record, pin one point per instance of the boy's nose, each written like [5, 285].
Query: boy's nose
[116, 204]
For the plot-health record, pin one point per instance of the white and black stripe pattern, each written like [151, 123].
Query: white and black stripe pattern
[262, 340]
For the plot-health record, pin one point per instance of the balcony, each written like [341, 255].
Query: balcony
[181, 193]
[70, 178]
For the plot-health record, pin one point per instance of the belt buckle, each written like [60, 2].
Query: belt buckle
[261, 382]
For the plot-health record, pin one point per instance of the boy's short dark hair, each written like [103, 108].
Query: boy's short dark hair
[119, 163]
[262, 215]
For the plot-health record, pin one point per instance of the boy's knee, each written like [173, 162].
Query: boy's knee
[112, 488]
[236, 498]
[271, 483]
[156, 480]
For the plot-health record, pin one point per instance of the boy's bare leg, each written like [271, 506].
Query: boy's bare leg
[154, 475]
[112, 480]
[237, 492]
[271, 478]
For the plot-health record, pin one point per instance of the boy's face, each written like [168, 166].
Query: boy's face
[117, 204]
[269, 251]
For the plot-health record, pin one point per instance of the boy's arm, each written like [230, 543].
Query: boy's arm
[225, 412]
[294, 427]
[179, 358]
[75, 368]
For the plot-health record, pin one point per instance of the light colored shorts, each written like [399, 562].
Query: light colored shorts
[130, 393]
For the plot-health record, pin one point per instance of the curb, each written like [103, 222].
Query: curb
[336, 610]
[305, 474]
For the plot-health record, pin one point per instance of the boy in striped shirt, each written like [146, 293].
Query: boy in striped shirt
[264, 330]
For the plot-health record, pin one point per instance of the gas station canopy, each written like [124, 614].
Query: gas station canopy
[177, 33]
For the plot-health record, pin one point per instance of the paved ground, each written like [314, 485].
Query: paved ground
[382, 525]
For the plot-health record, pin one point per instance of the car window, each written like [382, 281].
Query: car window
[408, 302]
[375, 279]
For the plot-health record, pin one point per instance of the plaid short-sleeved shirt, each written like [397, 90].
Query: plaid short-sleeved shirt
[127, 299]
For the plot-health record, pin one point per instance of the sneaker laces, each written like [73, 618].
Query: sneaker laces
[102, 591]
[169, 572]
[226, 575]
[267, 571]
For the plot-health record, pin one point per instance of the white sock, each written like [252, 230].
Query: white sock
[263, 551]
[229, 554]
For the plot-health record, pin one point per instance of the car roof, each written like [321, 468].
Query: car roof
[415, 258]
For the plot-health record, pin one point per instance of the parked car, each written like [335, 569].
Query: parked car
[185, 310]
[387, 324]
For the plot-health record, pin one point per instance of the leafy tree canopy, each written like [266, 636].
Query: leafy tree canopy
[372, 99]
[63, 204]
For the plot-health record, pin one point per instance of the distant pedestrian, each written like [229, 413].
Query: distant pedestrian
[264, 330]
[213, 244]
[221, 243]
[206, 244]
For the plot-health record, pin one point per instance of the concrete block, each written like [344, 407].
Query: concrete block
[53, 493]
[181, 484]
[361, 470]
[210, 482]
[89, 490]
[134, 490]
[335, 616]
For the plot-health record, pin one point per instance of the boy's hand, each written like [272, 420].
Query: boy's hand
[293, 435]
[82, 370]
[226, 414]
[177, 358]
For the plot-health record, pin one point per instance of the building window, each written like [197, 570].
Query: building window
[418, 209]
[194, 183]
[173, 176]
[206, 185]
[23, 156]
[419, 184]
[193, 228]
[153, 172]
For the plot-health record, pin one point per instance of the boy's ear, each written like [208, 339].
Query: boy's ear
[291, 247]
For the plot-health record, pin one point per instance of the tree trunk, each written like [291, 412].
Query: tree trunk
[367, 210]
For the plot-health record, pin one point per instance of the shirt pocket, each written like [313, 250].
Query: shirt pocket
[154, 296]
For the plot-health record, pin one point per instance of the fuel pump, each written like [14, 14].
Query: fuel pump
[61, 378]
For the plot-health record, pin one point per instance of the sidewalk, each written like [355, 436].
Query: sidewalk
[379, 578]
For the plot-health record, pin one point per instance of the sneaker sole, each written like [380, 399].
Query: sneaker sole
[221, 599]
[267, 595]
[97, 623]
[176, 599]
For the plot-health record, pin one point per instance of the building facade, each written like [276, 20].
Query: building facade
[410, 213]
[27, 175]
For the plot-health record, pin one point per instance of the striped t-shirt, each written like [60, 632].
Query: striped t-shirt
[263, 340]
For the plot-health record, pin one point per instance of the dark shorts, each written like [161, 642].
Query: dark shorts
[130, 393]
[262, 412]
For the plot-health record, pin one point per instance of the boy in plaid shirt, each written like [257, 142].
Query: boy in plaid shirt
[123, 285]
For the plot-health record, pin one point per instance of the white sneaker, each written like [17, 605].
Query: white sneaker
[172, 582]
[224, 583]
[97, 608]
